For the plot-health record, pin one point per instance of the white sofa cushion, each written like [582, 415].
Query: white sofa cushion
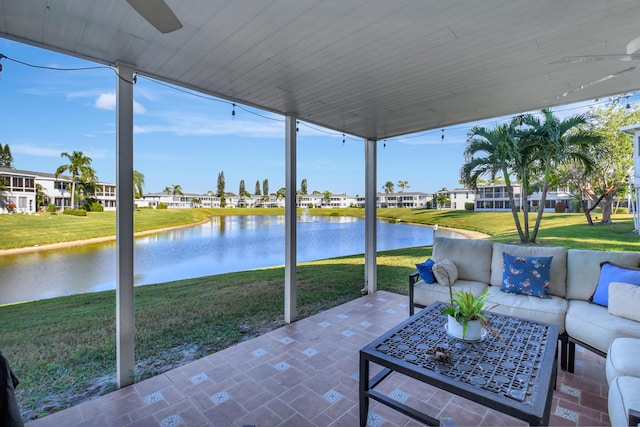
[593, 325]
[622, 358]
[558, 284]
[624, 300]
[428, 293]
[471, 257]
[549, 310]
[583, 269]
[624, 394]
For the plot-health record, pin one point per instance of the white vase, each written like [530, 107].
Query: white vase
[474, 329]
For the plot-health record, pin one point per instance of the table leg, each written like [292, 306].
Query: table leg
[364, 388]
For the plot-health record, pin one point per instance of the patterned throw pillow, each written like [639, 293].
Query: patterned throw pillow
[424, 269]
[526, 275]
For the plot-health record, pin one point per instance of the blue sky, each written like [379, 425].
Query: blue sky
[184, 139]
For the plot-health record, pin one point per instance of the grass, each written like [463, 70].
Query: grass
[63, 349]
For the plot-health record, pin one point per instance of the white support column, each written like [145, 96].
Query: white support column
[290, 224]
[125, 324]
[370, 237]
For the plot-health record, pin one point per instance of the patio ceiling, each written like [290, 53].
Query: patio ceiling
[369, 68]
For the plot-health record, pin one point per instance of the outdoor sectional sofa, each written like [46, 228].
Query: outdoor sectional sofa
[574, 276]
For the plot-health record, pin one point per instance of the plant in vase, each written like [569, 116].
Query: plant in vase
[466, 309]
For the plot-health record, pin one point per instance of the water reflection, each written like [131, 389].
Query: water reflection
[224, 244]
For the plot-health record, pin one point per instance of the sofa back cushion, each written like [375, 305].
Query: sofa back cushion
[583, 269]
[558, 274]
[472, 257]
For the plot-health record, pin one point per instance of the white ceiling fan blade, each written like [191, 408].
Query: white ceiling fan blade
[595, 82]
[158, 14]
[596, 58]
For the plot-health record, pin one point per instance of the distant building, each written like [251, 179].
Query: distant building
[22, 186]
[399, 200]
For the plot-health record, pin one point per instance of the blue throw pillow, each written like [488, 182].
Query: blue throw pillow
[526, 275]
[425, 271]
[610, 272]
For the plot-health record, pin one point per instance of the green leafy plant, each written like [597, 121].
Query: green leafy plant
[465, 307]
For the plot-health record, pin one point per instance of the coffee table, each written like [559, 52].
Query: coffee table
[512, 371]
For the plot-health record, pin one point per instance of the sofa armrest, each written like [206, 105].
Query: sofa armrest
[634, 417]
[413, 279]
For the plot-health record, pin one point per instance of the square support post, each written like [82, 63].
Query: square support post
[125, 324]
[290, 221]
[370, 226]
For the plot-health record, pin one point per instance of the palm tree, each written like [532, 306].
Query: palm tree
[388, 187]
[442, 198]
[41, 195]
[78, 165]
[138, 184]
[403, 185]
[327, 197]
[554, 142]
[491, 152]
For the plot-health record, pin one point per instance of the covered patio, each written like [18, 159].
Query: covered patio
[372, 69]
[306, 374]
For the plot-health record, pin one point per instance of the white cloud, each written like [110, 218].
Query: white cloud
[107, 101]
[185, 123]
[35, 151]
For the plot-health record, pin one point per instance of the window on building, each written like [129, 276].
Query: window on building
[17, 182]
[29, 184]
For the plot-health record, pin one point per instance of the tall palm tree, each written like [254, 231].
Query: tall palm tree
[403, 185]
[78, 165]
[388, 187]
[491, 152]
[554, 142]
[138, 184]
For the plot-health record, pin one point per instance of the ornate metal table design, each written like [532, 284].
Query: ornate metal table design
[511, 370]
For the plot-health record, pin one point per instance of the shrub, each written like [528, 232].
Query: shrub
[469, 206]
[75, 212]
[93, 206]
[162, 206]
[11, 207]
[51, 208]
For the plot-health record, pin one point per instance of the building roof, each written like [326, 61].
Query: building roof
[370, 68]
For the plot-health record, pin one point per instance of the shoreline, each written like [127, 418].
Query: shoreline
[85, 242]
[93, 240]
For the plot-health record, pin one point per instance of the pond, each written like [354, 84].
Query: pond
[221, 245]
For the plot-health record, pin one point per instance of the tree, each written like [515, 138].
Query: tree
[265, 187]
[403, 185]
[281, 193]
[138, 184]
[388, 187]
[303, 187]
[41, 196]
[220, 193]
[553, 142]
[257, 190]
[174, 189]
[442, 198]
[613, 159]
[327, 197]
[491, 152]
[6, 159]
[242, 190]
[79, 165]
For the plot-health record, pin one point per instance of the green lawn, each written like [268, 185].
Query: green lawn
[63, 349]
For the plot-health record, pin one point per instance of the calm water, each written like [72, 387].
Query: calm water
[224, 244]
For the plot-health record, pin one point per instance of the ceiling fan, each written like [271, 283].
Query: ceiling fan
[632, 55]
[158, 14]
[633, 47]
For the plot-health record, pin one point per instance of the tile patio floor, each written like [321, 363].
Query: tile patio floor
[305, 374]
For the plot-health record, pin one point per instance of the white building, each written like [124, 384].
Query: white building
[22, 187]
